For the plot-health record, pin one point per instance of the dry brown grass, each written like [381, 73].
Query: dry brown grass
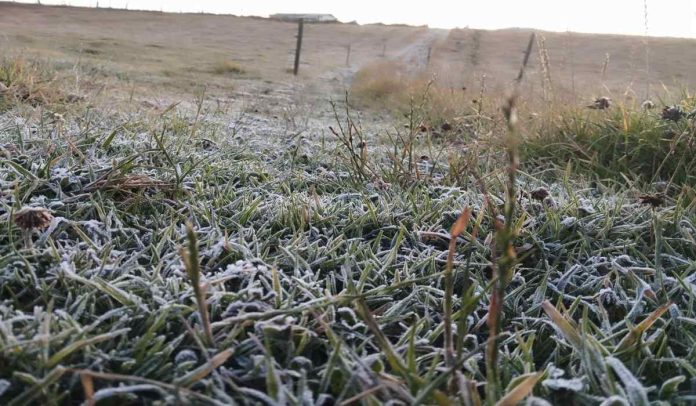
[380, 83]
[387, 85]
[188, 45]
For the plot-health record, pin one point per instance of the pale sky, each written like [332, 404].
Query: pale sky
[675, 18]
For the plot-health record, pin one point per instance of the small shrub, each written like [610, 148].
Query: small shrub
[379, 83]
[228, 67]
[91, 51]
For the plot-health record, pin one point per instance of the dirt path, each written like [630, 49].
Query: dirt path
[416, 54]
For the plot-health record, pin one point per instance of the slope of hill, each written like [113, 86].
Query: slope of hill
[183, 48]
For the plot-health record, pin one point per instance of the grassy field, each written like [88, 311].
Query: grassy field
[184, 222]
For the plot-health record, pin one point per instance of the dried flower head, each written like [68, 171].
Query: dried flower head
[539, 193]
[510, 112]
[29, 218]
[550, 203]
[58, 118]
[654, 200]
[673, 113]
[647, 105]
[74, 98]
[600, 103]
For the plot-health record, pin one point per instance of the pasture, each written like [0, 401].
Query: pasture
[184, 221]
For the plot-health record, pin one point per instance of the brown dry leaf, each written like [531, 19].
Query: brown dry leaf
[129, 183]
[88, 386]
[654, 200]
[461, 223]
[643, 326]
[520, 391]
[569, 332]
[29, 218]
[205, 369]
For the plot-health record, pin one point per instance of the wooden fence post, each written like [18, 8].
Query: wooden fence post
[298, 49]
[348, 55]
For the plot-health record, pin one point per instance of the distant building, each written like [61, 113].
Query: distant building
[308, 18]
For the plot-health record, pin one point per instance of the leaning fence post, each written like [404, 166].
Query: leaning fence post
[300, 29]
[427, 62]
[348, 55]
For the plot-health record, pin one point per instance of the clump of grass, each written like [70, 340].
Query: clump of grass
[617, 143]
[228, 67]
[29, 82]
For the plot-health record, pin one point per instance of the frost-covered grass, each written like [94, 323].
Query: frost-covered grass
[321, 266]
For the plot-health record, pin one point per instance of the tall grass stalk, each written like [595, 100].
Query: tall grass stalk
[546, 86]
[504, 237]
[659, 271]
[458, 227]
[193, 269]
[605, 66]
